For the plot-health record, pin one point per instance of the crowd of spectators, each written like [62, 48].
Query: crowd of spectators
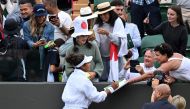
[44, 31]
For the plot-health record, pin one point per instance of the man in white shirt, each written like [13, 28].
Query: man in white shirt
[60, 19]
[146, 66]
[130, 28]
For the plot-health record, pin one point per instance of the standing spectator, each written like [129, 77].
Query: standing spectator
[2, 17]
[111, 39]
[185, 9]
[79, 91]
[173, 30]
[83, 46]
[161, 94]
[85, 12]
[14, 53]
[140, 9]
[130, 28]
[37, 32]
[22, 12]
[2, 20]
[53, 61]
[61, 20]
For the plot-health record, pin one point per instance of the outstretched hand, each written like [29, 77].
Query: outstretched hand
[115, 85]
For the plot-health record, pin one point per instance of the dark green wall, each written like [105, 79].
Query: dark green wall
[42, 95]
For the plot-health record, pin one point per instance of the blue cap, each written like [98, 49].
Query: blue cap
[39, 10]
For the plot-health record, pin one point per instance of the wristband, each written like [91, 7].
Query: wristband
[110, 89]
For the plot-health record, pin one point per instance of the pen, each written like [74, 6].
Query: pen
[148, 15]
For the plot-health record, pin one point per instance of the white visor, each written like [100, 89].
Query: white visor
[86, 59]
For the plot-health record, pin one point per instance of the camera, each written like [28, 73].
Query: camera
[3, 2]
[158, 74]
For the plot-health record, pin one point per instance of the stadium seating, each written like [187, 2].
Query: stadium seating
[150, 41]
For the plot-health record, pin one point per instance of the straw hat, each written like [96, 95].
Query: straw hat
[86, 12]
[80, 27]
[104, 7]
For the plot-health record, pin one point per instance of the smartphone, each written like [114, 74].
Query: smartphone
[133, 63]
[71, 30]
[51, 17]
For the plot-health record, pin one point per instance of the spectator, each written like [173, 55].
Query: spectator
[130, 29]
[173, 30]
[178, 101]
[22, 13]
[53, 61]
[86, 13]
[111, 38]
[37, 32]
[146, 66]
[173, 64]
[80, 95]
[140, 9]
[8, 5]
[14, 53]
[2, 20]
[83, 46]
[61, 20]
[2, 17]
[185, 10]
[160, 95]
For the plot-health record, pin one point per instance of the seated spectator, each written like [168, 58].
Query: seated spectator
[146, 66]
[83, 46]
[174, 31]
[160, 97]
[173, 64]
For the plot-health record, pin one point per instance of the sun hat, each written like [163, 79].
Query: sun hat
[86, 12]
[39, 10]
[80, 27]
[86, 59]
[11, 26]
[104, 7]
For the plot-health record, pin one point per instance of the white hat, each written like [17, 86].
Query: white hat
[81, 27]
[104, 7]
[86, 12]
[86, 59]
